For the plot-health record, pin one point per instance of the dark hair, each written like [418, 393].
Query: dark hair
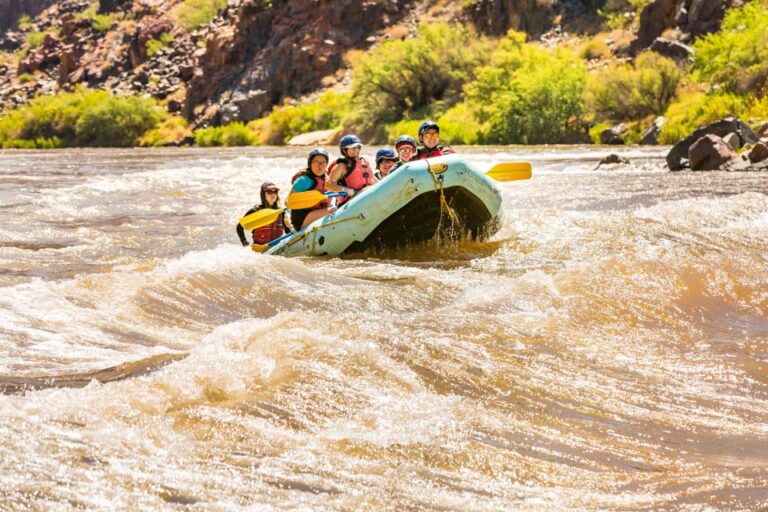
[267, 186]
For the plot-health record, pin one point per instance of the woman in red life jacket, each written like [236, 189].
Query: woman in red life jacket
[429, 136]
[351, 173]
[265, 234]
[311, 178]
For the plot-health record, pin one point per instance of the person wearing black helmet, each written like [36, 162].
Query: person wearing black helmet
[314, 177]
[385, 161]
[265, 234]
[429, 136]
[351, 173]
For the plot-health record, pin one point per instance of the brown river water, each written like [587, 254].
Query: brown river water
[606, 350]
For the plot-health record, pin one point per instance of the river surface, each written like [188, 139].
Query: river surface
[606, 350]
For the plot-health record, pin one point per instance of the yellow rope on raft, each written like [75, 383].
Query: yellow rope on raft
[434, 170]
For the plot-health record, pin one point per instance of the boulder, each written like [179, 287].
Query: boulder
[656, 16]
[613, 158]
[710, 153]
[318, 138]
[650, 137]
[613, 136]
[674, 50]
[763, 130]
[733, 140]
[758, 152]
[720, 128]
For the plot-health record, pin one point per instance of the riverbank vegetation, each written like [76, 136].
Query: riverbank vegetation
[480, 90]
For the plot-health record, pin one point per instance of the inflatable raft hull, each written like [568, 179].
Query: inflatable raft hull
[442, 196]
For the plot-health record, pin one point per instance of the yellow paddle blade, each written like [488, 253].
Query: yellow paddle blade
[259, 247]
[510, 171]
[302, 200]
[260, 218]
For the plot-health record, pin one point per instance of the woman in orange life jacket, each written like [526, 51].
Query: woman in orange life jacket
[351, 173]
[429, 136]
[312, 178]
[385, 161]
[265, 234]
[405, 145]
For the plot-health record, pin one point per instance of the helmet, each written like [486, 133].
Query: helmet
[348, 140]
[317, 151]
[405, 139]
[385, 154]
[426, 125]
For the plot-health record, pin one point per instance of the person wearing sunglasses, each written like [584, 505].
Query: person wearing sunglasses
[270, 198]
[351, 173]
[406, 149]
[429, 136]
[314, 177]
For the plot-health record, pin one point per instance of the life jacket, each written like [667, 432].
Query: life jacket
[319, 185]
[266, 234]
[359, 177]
[425, 152]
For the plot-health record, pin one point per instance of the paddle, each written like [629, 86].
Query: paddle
[308, 199]
[510, 171]
[260, 218]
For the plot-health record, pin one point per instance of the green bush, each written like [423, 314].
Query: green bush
[399, 78]
[117, 122]
[155, 45]
[694, 110]
[34, 39]
[459, 125]
[528, 95]
[80, 118]
[623, 92]
[285, 122]
[192, 14]
[234, 134]
[736, 57]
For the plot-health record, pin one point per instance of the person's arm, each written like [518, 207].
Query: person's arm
[241, 231]
[447, 150]
[287, 221]
[333, 180]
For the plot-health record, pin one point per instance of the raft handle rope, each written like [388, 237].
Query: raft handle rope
[434, 170]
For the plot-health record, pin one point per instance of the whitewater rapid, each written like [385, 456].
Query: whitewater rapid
[606, 350]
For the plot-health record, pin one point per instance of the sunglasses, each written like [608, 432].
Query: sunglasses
[272, 191]
[431, 135]
[354, 146]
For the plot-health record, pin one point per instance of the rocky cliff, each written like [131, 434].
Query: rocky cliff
[254, 53]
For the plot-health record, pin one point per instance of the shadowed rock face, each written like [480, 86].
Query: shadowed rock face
[12, 10]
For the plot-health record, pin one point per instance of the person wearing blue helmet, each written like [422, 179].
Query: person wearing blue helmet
[429, 136]
[406, 148]
[351, 173]
[314, 177]
[386, 158]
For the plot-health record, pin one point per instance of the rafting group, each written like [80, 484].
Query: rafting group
[340, 181]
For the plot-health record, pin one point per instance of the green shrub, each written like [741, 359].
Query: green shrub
[285, 122]
[25, 22]
[234, 134]
[459, 125]
[117, 122]
[399, 78]
[528, 95]
[80, 118]
[736, 57]
[192, 14]
[625, 92]
[404, 127]
[171, 129]
[26, 78]
[692, 111]
[34, 39]
[155, 45]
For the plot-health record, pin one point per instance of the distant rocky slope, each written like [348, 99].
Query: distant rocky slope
[256, 53]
